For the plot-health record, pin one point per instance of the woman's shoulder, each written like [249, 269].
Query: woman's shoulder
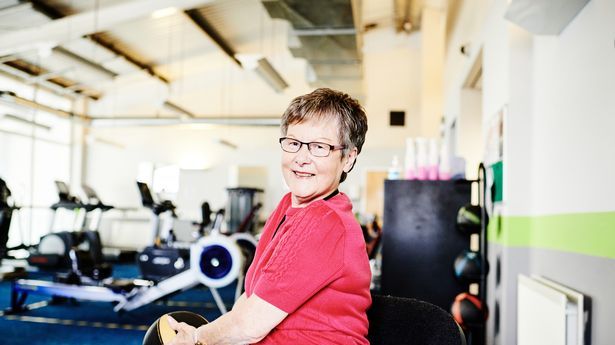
[335, 210]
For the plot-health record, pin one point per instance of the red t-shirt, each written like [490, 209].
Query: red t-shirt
[315, 268]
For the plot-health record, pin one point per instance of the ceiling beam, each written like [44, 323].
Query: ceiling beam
[261, 66]
[198, 19]
[98, 38]
[86, 23]
[109, 45]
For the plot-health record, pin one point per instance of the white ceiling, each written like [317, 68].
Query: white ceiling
[175, 60]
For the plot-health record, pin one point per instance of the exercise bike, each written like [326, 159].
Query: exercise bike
[165, 257]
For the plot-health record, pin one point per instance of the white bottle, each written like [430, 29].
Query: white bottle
[410, 160]
[393, 173]
[421, 159]
[444, 172]
[432, 167]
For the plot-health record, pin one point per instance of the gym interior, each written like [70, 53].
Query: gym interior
[135, 134]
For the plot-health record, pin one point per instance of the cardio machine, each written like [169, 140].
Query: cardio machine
[6, 214]
[165, 257]
[216, 260]
[55, 249]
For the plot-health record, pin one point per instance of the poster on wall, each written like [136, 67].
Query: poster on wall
[494, 159]
[494, 142]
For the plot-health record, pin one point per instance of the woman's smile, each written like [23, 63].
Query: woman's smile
[302, 174]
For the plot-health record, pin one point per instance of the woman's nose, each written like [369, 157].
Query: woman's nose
[303, 155]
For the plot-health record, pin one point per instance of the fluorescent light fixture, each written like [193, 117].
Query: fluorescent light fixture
[227, 143]
[11, 99]
[248, 61]
[90, 139]
[263, 69]
[177, 109]
[85, 62]
[19, 119]
[164, 12]
[266, 71]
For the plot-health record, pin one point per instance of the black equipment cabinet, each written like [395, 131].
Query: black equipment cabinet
[420, 241]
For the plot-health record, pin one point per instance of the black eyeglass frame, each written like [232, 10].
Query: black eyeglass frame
[331, 147]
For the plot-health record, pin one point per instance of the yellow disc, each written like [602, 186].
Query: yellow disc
[165, 332]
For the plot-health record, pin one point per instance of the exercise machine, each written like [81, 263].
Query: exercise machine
[6, 215]
[243, 207]
[216, 260]
[165, 257]
[54, 250]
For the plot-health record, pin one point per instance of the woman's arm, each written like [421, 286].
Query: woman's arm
[250, 320]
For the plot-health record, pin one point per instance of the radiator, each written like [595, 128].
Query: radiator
[550, 314]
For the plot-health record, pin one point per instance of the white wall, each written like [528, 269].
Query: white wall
[469, 128]
[574, 104]
[468, 30]
[558, 92]
[392, 67]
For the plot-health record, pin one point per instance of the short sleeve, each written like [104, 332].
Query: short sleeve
[309, 256]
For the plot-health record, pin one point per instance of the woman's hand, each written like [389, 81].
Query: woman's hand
[185, 332]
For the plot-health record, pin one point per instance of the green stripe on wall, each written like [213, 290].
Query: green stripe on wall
[585, 233]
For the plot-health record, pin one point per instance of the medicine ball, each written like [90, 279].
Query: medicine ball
[468, 267]
[469, 311]
[468, 219]
[160, 332]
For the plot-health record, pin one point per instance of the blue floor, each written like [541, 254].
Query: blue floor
[88, 322]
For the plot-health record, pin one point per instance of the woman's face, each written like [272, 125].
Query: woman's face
[312, 178]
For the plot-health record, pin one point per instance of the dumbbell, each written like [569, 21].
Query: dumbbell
[160, 332]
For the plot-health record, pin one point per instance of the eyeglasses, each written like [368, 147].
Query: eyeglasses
[316, 149]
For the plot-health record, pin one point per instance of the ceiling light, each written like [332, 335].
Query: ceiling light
[177, 109]
[227, 143]
[407, 26]
[90, 139]
[11, 99]
[164, 12]
[85, 62]
[19, 119]
[266, 71]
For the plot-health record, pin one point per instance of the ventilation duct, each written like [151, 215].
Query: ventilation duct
[327, 39]
[544, 17]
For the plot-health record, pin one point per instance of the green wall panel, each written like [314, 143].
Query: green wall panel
[585, 233]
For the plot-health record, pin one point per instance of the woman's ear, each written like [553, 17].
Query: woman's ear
[351, 158]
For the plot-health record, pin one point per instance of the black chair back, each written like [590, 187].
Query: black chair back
[408, 321]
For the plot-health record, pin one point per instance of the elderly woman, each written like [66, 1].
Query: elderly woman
[309, 281]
